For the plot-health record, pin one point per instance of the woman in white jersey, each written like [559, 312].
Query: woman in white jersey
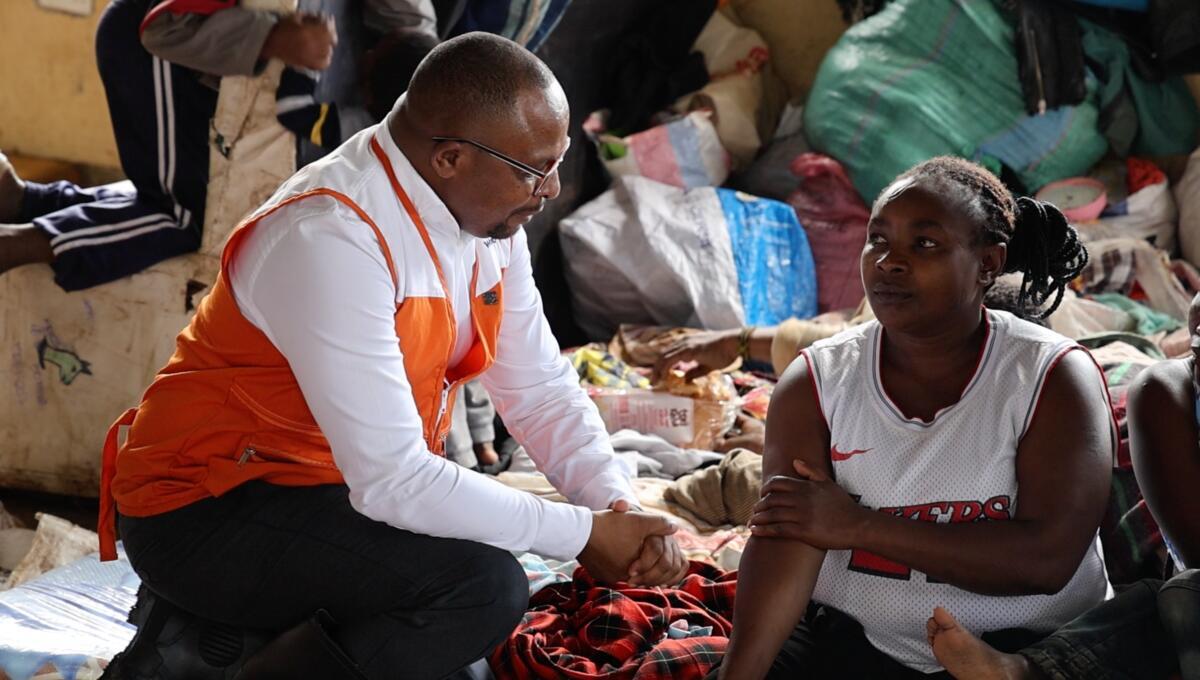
[895, 450]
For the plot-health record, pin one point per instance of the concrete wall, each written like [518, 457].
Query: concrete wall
[51, 101]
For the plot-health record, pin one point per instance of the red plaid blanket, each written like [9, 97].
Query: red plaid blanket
[583, 630]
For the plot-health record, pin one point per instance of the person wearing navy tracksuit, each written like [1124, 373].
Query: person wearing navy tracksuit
[161, 62]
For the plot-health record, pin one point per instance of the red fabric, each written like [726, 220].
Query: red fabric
[1141, 173]
[583, 630]
[834, 218]
[201, 7]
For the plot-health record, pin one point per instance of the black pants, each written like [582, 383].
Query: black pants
[829, 643]
[160, 116]
[1125, 637]
[267, 557]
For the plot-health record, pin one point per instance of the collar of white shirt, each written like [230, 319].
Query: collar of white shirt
[429, 205]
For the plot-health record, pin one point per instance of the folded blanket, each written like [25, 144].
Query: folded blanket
[583, 630]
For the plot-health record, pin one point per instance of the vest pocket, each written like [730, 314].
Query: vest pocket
[274, 438]
[265, 448]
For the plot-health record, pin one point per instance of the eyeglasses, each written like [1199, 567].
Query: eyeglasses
[540, 176]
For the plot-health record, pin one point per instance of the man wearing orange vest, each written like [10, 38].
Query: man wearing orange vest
[284, 471]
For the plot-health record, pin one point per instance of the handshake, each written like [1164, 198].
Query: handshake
[633, 546]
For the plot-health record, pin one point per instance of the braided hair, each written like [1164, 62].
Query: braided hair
[1042, 245]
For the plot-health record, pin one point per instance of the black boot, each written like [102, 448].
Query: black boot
[305, 651]
[172, 644]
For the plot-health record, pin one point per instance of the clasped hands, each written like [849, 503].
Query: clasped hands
[633, 546]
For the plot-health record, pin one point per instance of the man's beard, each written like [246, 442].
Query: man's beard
[502, 231]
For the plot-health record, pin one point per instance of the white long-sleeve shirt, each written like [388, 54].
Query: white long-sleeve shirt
[313, 279]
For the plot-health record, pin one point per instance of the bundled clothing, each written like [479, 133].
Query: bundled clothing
[725, 493]
[1135, 269]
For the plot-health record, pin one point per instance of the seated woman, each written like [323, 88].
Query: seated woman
[972, 451]
[1151, 630]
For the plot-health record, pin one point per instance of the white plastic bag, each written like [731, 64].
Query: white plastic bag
[735, 57]
[1150, 215]
[648, 253]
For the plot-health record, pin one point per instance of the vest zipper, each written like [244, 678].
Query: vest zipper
[447, 385]
[437, 431]
[247, 454]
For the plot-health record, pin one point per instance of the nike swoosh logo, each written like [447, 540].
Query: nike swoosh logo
[836, 455]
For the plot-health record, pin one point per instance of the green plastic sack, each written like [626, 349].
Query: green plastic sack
[929, 77]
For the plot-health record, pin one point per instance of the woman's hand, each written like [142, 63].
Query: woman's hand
[812, 509]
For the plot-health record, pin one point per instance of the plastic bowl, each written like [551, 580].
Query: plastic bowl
[1081, 199]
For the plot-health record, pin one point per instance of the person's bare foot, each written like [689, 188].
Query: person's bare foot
[12, 192]
[966, 657]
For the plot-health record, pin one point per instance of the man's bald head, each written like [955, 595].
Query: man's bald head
[476, 79]
[485, 123]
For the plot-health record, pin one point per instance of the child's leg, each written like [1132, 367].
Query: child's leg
[481, 417]
[458, 439]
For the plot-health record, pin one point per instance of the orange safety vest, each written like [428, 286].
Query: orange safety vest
[226, 409]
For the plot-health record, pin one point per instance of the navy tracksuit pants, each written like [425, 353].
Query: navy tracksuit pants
[160, 116]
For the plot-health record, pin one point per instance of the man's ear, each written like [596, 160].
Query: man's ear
[991, 263]
[448, 159]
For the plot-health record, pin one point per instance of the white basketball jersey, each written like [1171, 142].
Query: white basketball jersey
[959, 468]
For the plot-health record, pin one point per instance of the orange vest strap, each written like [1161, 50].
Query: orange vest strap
[412, 212]
[108, 469]
[420, 224]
